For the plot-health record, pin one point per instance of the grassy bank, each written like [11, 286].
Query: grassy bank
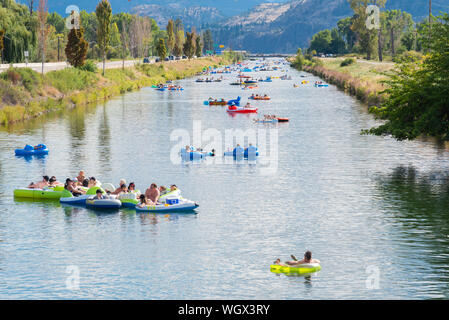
[25, 94]
[360, 78]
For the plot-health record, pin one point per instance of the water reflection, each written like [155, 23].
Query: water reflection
[420, 203]
[104, 142]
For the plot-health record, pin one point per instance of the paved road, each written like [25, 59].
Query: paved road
[51, 66]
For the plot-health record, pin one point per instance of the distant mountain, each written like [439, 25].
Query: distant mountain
[226, 7]
[285, 26]
[190, 16]
[255, 25]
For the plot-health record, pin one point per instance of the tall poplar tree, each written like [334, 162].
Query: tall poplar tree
[171, 36]
[104, 16]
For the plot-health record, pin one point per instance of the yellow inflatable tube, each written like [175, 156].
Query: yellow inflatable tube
[303, 269]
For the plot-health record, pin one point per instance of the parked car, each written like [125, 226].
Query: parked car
[166, 59]
[178, 58]
[171, 58]
[184, 57]
[158, 60]
[146, 60]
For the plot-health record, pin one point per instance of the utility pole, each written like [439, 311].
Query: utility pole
[58, 45]
[430, 20]
[43, 47]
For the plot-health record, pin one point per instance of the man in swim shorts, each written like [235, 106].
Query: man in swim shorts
[295, 263]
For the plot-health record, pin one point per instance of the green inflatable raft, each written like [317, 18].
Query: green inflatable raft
[39, 194]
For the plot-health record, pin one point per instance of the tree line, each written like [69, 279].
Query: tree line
[97, 35]
[395, 33]
[178, 42]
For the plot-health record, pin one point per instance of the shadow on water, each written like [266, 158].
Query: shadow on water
[418, 203]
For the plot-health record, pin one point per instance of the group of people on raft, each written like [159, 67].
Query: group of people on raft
[189, 149]
[268, 117]
[45, 182]
[81, 184]
[257, 96]
[169, 87]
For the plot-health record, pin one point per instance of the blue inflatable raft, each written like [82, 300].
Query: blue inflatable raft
[40, 149]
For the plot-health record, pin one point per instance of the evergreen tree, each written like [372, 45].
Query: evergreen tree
[189, 45]
[76, 49]
[199, 47]
[161, 49]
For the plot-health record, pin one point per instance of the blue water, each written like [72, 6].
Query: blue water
[372, 209]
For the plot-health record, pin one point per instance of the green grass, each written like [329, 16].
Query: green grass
[371, 71]
[71, 79]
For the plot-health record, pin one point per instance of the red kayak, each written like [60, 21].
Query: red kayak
[234, 109]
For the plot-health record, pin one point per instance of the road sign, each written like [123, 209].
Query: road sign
[26, 53]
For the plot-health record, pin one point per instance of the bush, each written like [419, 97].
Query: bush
[90, 66]
[347, 62]
[408, 56]
[30, 79]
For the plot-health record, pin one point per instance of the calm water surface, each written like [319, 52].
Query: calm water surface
[362, 204]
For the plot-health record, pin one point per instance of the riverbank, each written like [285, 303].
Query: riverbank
[360, 78]
[25, 94]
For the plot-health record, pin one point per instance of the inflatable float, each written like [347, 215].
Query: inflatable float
[178, 205]
[129, 200]
[234, 109]
[103, 204]
[259, 98]
[169, 195]
[191, 155]
[68, 198]
[40, 149]
[266, 121]
[303, 269]
[39, 194]
[215, 103]
[235, 102]
[240, 152]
